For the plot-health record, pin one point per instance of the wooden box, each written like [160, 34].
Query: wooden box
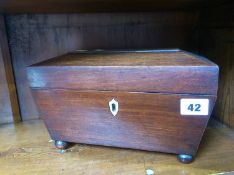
[158, 100]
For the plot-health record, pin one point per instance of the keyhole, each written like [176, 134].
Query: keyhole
[113, 107]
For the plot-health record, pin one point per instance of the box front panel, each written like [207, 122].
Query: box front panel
[201, 80]
[147, 121]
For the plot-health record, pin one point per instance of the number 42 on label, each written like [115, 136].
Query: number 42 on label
[194, 106]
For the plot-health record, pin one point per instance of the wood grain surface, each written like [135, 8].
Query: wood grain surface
[116, 58]
[132, 72]
[217, 43]
[9, 109]
[6, 115]
[25, 149]
[145, 121]
[37, 37]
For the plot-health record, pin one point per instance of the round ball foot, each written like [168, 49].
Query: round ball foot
[185, 158]
[61, 144]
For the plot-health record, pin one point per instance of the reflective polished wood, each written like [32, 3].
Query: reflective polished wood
[73, 91]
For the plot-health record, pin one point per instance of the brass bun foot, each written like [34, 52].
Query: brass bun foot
[61, 144]
[185, 158]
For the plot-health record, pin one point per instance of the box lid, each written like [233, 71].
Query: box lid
[164, 71]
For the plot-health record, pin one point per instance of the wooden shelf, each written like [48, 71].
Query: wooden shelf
[70, 6]
[26, 149]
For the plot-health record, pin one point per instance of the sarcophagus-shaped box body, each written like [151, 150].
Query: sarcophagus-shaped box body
[148, 100]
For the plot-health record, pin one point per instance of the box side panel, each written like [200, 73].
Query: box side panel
[144, 121]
